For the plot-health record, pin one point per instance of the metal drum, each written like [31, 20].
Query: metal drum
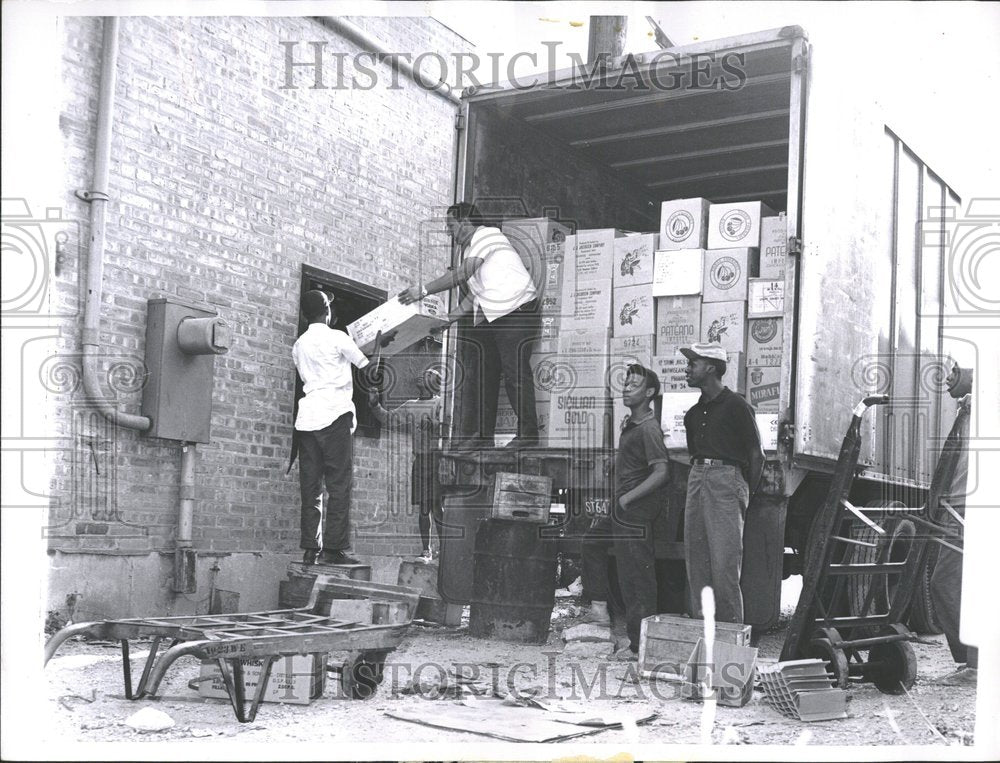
[514, 580]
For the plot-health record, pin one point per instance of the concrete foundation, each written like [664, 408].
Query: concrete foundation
[106, 586]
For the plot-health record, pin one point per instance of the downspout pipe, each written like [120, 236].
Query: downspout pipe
[361, 38]
[98, 198]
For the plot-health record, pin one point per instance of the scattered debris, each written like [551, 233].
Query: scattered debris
[149, 720]
[587, 632]
[66, 699]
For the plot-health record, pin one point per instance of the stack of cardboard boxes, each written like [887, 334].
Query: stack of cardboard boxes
[719, 277]
[713, 273]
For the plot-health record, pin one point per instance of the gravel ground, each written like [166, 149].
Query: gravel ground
[86, 703]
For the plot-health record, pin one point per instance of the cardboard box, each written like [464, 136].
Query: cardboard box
[736, 372]
[577, 358]
[297, 680]
[673, 407]
[727, 274]
[411, 322]
[763, 388]
[773, 246]
[548, 326]
[736, 224]
[633, 264]
[634, 312]
[619, 415]
[767, 425]
[592, 254]
[579, 418]
[765, 298]
[725, 323]
[684, 224]
[678, 323]
[626, 350]
[678, 272]
[585, 305]
[727, 677]
[530, 236]
[672, 372]
[765, 341]
[553, 274]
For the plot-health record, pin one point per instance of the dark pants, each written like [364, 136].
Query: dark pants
[636, 561]
[327, 455]
[505, 346]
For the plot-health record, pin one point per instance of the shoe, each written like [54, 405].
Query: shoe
[598, 614]
[426, 556]
[964, 676]
[310, 557]
[625, 654]
[337, 557]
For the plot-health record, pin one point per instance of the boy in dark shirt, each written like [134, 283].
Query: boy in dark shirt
[641, 473]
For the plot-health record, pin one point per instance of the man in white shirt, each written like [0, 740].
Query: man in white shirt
[502, 299]
[325, 423]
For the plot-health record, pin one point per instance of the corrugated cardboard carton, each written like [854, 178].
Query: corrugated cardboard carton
[764, 341]
[684, 224]
[634, 311]
[763, 387]
[585, 305]
[579, 418]
[725, 323]
[678, 272]
[627, 350]
[634, 260]
[736, 224]
[727, 273]
[767, 425]
[766, 298]
[410, 322]
[671, 369]
[553, 274]
[592, 253]
[530, 237]
[297, 680]
[577, 358]
[674, 406]
[678, 323]
[736, 372]
[773, 246]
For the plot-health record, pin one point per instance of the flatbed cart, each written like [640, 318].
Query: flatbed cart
[267, 636]
[882, 586]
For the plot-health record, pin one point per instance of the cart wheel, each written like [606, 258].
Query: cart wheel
[899, 537]
[361, 674]
[836, 660]
[893, 666]
[923, 614]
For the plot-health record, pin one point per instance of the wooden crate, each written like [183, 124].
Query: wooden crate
[667, 641]
[526, 497]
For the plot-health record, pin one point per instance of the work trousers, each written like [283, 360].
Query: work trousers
[946, 580]
[505, 347]
[635, 556]
[327, 456]
[717, 498]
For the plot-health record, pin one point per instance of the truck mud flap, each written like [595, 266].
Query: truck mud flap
[763, 552]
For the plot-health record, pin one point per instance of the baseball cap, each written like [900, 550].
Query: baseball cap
[706, 350]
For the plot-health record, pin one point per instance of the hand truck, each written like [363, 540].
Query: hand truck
[267, 636]
[882, 586]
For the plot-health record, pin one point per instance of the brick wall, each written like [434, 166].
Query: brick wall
[223, 185]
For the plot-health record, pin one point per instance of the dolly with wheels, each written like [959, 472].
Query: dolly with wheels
[879, 568]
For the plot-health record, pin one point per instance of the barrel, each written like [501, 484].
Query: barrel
[513, 582]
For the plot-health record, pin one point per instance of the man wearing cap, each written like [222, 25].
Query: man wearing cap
[325, 424]
[502, 300]
[726, 466]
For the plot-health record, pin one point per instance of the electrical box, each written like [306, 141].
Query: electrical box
[182, 340]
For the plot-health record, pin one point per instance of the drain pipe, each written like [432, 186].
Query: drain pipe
[371, 44]
[184, 554]
[98, 199]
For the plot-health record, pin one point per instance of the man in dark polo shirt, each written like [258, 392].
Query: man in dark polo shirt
[640, 476]
[726, 466]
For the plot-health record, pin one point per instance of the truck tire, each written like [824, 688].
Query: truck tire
[898, 534]
[923, 617]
